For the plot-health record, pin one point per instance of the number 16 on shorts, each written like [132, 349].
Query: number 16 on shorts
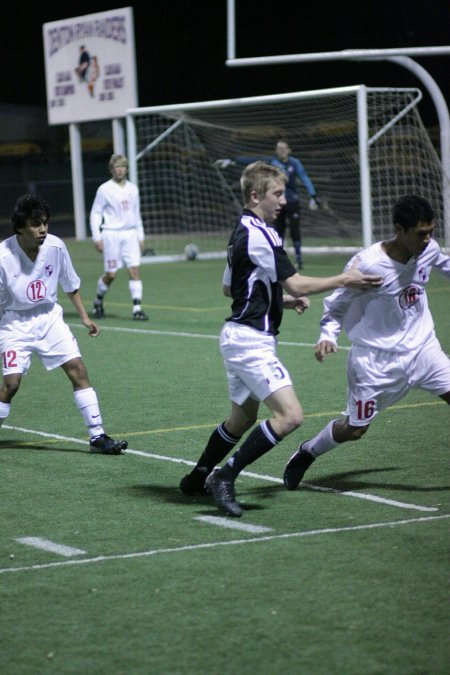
[365, 410]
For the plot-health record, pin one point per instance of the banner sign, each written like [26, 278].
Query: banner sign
[90, 67]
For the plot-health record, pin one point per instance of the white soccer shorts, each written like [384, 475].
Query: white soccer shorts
[120, 249]
[251, 364]
[377, 379]
[57, 346]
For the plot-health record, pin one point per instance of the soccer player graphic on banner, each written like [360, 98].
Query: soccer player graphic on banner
[83, 63]
[394, 346]
[32, 263]
[118, 233]
[257, 272]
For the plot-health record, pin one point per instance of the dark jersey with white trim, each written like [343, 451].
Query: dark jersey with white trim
[257, 262]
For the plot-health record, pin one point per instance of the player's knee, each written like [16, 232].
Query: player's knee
[293, 420]
[133, 273]
[77, 373]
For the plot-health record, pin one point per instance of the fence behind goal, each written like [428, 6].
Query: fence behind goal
[362, 147]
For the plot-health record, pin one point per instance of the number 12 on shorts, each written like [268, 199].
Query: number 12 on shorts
[9, 359]
[366, 409]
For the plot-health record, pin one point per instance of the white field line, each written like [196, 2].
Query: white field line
[249, 474]
[169, 333]
[232, 524]
[52, 546]
[216, 544]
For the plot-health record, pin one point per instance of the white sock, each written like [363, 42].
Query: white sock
[136, 294]
[87, 403]
[4, 411]
[102, 288]
[323, 442]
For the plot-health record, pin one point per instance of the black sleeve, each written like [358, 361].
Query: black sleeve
[284, 267]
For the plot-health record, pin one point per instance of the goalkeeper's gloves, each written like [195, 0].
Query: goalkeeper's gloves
[223, 163]
[314, 203]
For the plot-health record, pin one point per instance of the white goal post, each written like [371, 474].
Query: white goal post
[363, 147]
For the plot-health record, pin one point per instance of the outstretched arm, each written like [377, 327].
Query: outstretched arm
[303, 175]
[298, 285]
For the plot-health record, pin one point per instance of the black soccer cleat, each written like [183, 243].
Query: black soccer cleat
[98, 312]
[105, 445]
[223, 493]
[194, 483]
[140, 316]
[296, 468]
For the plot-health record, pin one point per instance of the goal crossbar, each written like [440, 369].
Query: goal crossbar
[362, 146]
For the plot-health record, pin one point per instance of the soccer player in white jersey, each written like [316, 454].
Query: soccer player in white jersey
[394, 346]
[257, 272]
[118, 233]
[32, 263]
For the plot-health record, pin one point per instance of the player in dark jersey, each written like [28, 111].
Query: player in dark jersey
[257, 272]
[289, 216]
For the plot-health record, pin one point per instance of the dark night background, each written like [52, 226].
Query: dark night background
[181, 48]
[181, 45]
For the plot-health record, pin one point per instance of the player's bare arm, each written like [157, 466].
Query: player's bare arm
[323, 348]
[299, 284]
[99, 246]
[77, 302]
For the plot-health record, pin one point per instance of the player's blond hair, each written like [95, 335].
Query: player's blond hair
[117, 159]
[256, 178]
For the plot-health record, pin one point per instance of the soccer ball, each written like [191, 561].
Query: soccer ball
[191, 251]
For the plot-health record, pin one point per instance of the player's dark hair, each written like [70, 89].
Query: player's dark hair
[29, 207]
[410, 210]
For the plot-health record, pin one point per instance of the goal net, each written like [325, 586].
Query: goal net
[362, 148]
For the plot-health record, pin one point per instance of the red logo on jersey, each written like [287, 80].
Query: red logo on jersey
[36, 291]
[409, 297]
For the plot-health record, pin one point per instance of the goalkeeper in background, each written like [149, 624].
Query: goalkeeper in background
[290, 214]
